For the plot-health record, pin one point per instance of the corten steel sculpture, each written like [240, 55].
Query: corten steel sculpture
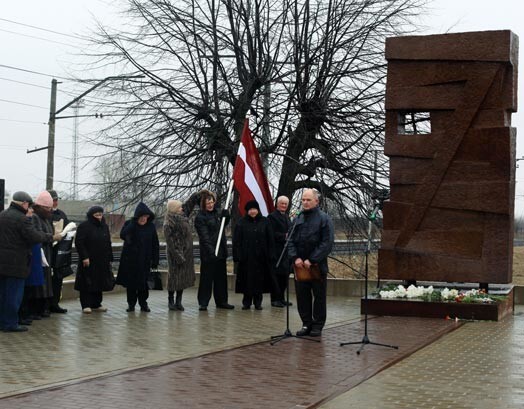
[449, 100]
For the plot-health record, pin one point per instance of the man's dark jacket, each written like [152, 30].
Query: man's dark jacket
[281, 224]
[17, 235]
[313, 238]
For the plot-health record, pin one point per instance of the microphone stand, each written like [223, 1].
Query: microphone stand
[365, 339]
[287, 333]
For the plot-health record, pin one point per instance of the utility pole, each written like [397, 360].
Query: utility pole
[51, 138]
[53, 112]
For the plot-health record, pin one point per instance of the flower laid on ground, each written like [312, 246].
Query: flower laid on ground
[437, 295]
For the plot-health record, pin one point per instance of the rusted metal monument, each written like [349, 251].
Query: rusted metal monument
[449, 100]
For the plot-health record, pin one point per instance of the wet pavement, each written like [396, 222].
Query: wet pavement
[222, 359]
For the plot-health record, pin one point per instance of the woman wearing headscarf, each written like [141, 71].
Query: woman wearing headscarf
[179, 244]
[94, 274]
[139, 255]
[253, 249]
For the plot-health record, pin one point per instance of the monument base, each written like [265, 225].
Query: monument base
[417, 308]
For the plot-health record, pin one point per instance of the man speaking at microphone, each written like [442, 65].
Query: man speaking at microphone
[308, 248]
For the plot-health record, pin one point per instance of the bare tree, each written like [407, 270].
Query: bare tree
[310, 72]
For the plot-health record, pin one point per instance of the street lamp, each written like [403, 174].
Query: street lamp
[53, 112]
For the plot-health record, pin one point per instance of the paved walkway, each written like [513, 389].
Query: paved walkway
[222, 359]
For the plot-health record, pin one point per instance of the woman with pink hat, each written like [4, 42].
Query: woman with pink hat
[38, 297]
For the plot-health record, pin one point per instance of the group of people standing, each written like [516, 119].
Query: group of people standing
[258, 243]
[267, 249]
[31, 272]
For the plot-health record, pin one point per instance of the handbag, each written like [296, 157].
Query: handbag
[154, 281]
[307, 274]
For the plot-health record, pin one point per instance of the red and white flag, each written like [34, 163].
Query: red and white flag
[249, 177]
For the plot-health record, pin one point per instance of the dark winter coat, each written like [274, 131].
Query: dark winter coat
[44, 225]
[93, 241]
[313, 238]
[281, 224]
[207, 225]
[65, 257]
[141, 250]
[17, 235]
[253, 249]
[179, 245]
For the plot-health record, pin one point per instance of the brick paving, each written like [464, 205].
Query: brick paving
[76, 346]
[479, 366]
[222, 359]
[292, 374]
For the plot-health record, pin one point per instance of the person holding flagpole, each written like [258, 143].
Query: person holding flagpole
[213, 272]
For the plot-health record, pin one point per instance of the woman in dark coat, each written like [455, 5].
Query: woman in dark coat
[39, 292]
[179, 245]
[213, 271]
[94, 274]
[253, 249]
[139, 255]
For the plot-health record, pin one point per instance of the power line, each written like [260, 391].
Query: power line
[25, 83]
[43, 29]
[33, 72]
[36, 37]
[21, 103]
[23, 122]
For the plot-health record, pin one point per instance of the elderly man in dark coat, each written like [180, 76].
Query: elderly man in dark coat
[17, 235]
[281, 223]
[254, 250]
[140, 254]
[309, 247]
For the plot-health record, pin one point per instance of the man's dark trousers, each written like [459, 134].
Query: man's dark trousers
[311, 303]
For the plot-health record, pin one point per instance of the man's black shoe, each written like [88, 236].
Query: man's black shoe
[278, 304]
[130, 309]
[145, 309]
[303, 332]
[246, 307]
[289, 303]
[258, 307]
[18, 328]
[25, 322]
[315, 332]
[202, 308]
[57, 309]
[226, 306]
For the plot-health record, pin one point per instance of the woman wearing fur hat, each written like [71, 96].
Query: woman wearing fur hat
[94, 274]
[253, 249]
[213, 272]
[179, 243]
[37, 298]
[141, 253]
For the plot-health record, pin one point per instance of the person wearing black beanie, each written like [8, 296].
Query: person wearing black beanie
[253, 250]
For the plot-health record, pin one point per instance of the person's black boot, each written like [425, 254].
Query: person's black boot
[171, 301]
[178, 301]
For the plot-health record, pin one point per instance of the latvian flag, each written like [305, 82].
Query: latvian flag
[248, 175]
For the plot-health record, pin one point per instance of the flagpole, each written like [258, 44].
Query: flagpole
[223, 222]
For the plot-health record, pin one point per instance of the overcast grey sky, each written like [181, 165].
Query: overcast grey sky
[24, 127]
